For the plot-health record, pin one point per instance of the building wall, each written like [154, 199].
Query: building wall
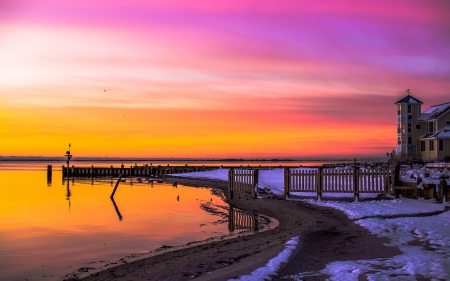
[442, 121]
[427, 154]
[446, 152]
[415, 133]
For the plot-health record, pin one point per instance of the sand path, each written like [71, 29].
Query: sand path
[326, 235]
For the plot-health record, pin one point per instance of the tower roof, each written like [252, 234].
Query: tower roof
[409, 99]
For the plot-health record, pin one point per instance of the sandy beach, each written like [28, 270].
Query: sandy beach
[326, 235]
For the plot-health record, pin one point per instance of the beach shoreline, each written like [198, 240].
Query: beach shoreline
[326, 235]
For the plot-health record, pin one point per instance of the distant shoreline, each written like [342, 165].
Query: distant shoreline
[89, 159]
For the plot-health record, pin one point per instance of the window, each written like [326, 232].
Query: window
[403, 128]
[447, 123]
[431, 127]
[431, 145]
[399, 141]
[409, 108]
[409, 118]
[403, 109]
[398, 110]
[409, 128]
[418, 126]
[422, 145]
[410, 140]
[441, 145]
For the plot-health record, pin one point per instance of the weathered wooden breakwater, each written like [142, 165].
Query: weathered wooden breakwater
[147, 170]
[131, 171]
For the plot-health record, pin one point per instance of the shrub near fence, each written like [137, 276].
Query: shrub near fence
[354, 181]
[243, 181]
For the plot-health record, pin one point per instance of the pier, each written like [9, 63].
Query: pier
[131, 171]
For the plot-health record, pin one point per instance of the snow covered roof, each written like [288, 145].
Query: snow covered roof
[409, 99]
[444, 133]
[434, 112]
[441, 134]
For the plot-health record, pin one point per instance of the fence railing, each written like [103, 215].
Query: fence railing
[354, 181]
[243, 181]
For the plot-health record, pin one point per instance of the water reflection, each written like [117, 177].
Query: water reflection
[40, 237]
[68, 192]
[116, 208]
[239, 220]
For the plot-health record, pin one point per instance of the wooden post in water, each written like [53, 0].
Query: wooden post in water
[115, 187]
[49, 174]
[69, 156]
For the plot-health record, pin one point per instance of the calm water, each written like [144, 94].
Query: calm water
[38, 165]
[50, 230]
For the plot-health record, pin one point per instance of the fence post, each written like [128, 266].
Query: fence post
[355, 182]
[386, 181]
[287, 183]
[255, 183]
[397, 175]
[319, 183]
[230, 181]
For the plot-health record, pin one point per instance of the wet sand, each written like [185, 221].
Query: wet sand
[326, 235]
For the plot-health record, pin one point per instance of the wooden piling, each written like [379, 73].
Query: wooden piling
[49, 173]
[115, 187]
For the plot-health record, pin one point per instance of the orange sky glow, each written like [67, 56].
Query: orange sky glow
[192, 79]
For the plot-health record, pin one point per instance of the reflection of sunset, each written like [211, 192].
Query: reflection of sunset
[37, 219]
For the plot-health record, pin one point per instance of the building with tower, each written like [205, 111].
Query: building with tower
[424, 135]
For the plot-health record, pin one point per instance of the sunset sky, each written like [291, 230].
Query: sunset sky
[203, 78]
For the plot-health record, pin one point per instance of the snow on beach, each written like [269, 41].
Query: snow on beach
[427, 175]
[424, 240]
